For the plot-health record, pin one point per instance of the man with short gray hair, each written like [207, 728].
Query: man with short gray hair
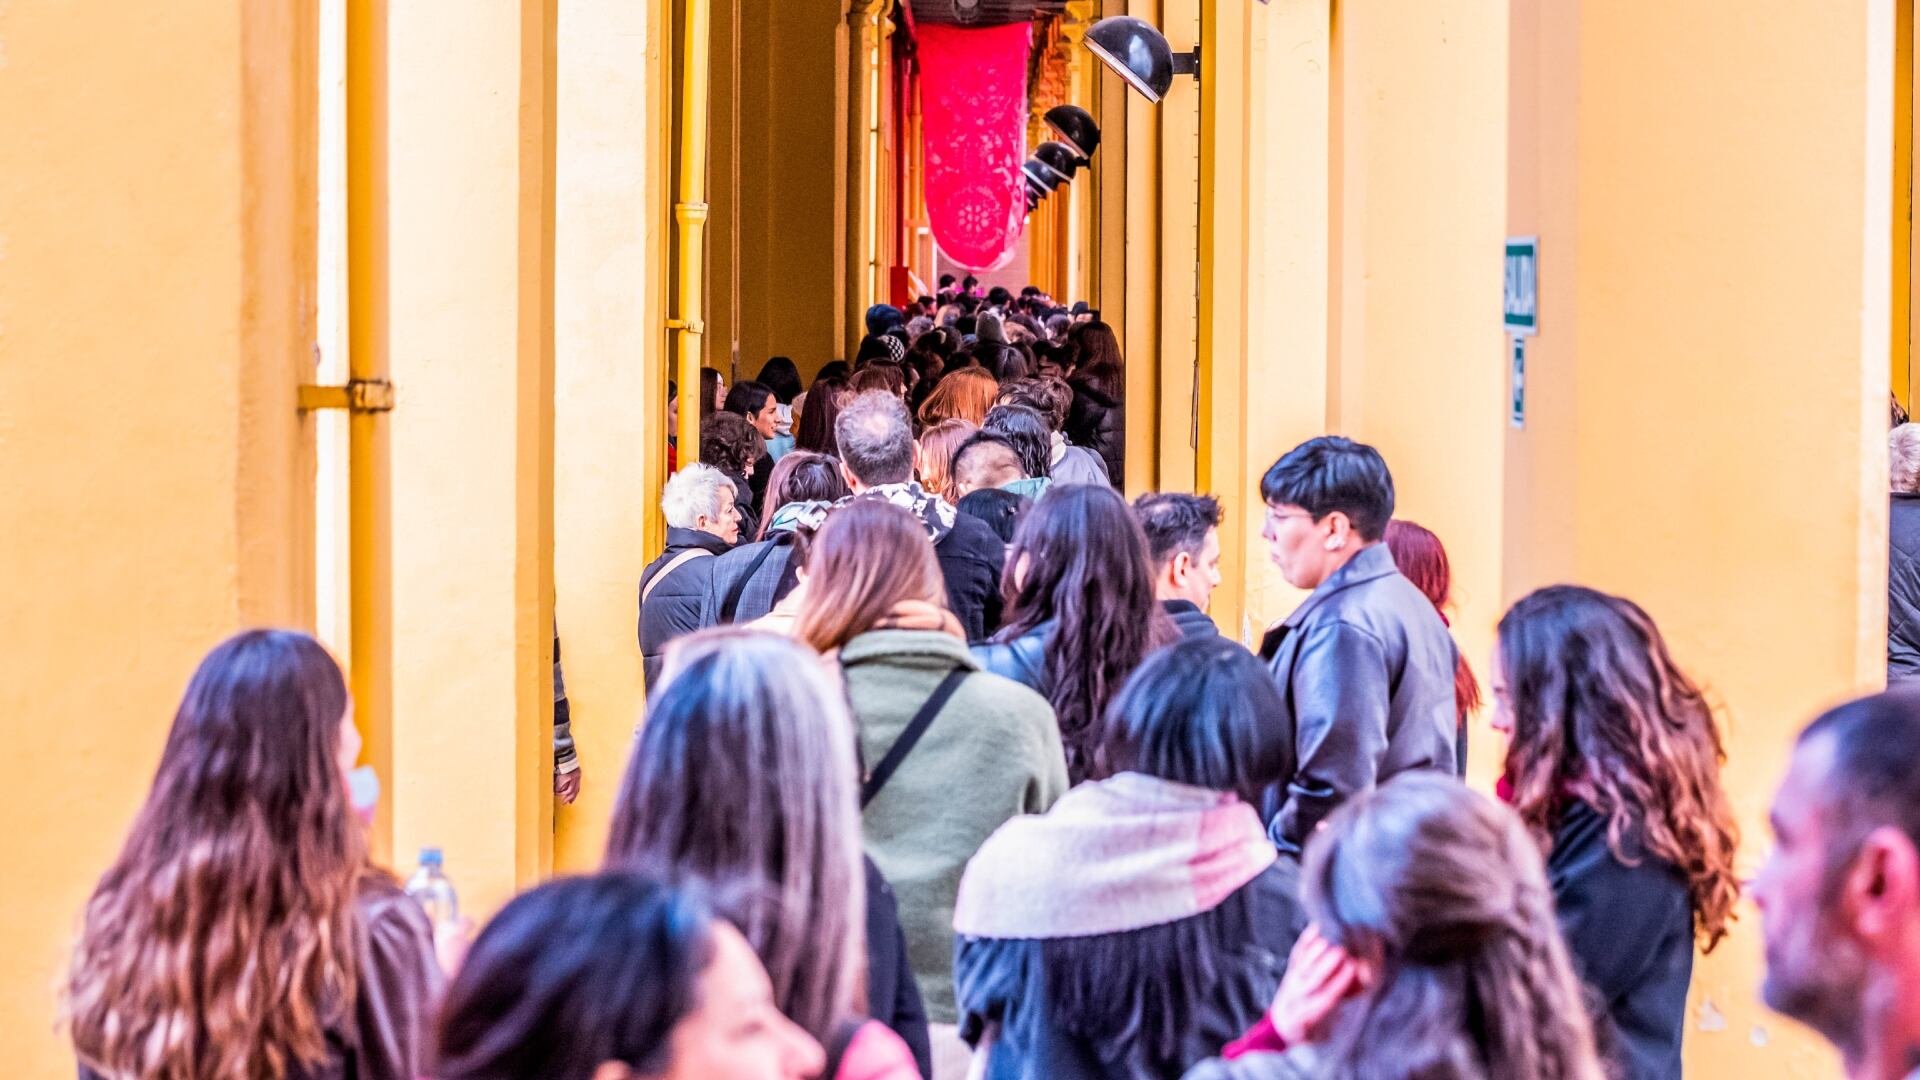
[878, 457]
[702, 521]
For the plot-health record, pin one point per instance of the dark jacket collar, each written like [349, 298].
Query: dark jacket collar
[1372, 563]
[679, 539]
[1177, 608]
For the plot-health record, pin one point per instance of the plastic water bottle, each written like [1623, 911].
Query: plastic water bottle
[429, 885]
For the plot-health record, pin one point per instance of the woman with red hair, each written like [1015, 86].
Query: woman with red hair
[1422, 559]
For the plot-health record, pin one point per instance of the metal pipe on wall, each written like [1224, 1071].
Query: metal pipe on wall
[690, 213]
[369, 481]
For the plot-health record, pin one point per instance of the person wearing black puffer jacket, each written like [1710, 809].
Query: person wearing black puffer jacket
[703, 520]
[1097, 419]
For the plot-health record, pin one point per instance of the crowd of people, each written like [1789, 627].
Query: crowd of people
[946, 771]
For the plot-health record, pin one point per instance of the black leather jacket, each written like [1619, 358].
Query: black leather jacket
[1365, 668]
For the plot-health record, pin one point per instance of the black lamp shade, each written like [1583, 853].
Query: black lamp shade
[1076, 128]
[1136, 52]
[1038, 175]
[1060, 158]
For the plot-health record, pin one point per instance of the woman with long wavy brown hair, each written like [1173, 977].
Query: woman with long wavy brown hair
[1615, 765]
[241, 933]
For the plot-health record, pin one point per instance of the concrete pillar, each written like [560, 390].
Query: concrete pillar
[610, 389]
[1706, 400]
[156, 318]
[471, 160]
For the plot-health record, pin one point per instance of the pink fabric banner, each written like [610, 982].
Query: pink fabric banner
[973, 102]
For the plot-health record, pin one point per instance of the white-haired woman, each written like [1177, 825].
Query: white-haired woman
[1903, 554]
[762, 720]
[703, 520]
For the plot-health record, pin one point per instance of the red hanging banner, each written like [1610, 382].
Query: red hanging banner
[973, 104]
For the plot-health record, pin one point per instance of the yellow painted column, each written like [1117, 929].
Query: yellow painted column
[1178, 265]
[1219, 404]
[1419, 176]
[609, 437]
[471, 120]
[1142, 233]
[1706, 401]
[156, 316]
[1285, 370]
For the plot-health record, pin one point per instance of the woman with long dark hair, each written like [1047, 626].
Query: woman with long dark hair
[242, 932]
[616, 975]
[1614, 763]
[745, 771]
[1422, 559]
[1432, 953]
[817, 414]
[1138, 925]
[982, 751]
[1081, 613]
[1098, 418]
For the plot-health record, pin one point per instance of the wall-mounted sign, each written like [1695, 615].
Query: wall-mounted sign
[1522, 300]
[1517, 400]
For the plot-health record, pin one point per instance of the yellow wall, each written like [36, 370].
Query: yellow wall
[472, 357]
[1419, 164]
[1290, 75]
[1707, 394]
[609, 439]
[156, 271]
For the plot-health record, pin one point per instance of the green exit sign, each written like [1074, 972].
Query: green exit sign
[1522, 300]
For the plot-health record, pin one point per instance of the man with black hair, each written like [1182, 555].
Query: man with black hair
[1365, 665]
[1839, 896]
[1183, 543]
[998, 298]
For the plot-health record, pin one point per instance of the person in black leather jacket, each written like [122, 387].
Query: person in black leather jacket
[1364, 664]
[1080, 610]
[1183, 543]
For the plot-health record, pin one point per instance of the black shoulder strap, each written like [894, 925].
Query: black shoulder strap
[731, 605]
[916, 727]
